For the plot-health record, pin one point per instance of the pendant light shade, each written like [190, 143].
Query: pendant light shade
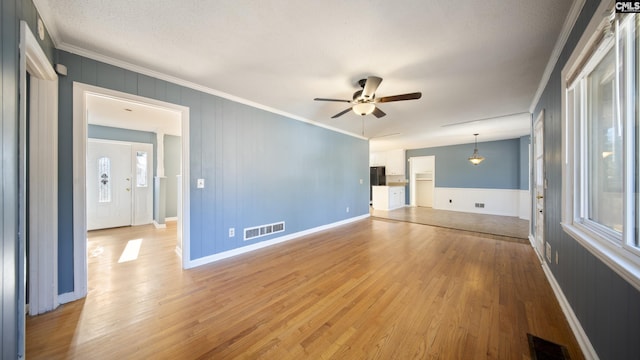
[476, 158]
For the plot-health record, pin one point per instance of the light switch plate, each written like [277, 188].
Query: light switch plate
[200, 184]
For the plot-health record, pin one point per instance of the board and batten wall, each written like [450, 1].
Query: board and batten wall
[496, 182]
[607, 307]
[260, 167]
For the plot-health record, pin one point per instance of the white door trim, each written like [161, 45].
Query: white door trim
[43, 238]
[538, 214]
[80, 92]
[43, 196]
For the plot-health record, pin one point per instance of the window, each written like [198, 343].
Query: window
[141, 169]
[104, 179]
[601, 205]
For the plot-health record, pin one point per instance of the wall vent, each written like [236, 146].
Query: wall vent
[480, 205]
[263, 230]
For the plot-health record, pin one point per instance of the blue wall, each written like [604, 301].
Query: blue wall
[607, 306]
[259, 167]
[499, 170]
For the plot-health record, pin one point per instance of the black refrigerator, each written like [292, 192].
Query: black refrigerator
[377, 177]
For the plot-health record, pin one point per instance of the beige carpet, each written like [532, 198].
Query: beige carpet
[511, 228]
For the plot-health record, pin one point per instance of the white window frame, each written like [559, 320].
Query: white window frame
[608, 246]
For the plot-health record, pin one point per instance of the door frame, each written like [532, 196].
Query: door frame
[413, 182]
[80, 138]
[43, 184]
[537, 215]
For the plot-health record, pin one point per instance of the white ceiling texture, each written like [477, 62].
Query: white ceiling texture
[478, 64]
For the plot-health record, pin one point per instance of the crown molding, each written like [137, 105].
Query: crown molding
[570, 21]
[178, 81]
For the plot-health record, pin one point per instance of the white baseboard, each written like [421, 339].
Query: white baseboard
[585, 345]
[179, 251]
[503, 202]
[68, 297]
[159, 226]
[172, 218]
[245, 249]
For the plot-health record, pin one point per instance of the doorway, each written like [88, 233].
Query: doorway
[539, 186]
[422, 180]
[81, 96]
[37, 183]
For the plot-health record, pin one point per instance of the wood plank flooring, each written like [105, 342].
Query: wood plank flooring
[509, 228]
[368, 290]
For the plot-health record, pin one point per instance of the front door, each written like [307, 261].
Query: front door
[108, 184]
[538, 178]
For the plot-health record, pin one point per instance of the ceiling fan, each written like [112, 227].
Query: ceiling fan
[364, 100]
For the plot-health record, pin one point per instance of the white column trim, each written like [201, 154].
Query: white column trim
[160, 153]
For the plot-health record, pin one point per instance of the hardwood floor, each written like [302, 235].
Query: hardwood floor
[509, 228]
[372, 289]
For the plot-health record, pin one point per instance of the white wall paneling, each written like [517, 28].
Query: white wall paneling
[496, 201]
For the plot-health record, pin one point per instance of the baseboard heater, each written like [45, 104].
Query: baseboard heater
[263, 230]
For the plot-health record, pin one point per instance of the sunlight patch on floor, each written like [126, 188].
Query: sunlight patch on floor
[131, 251]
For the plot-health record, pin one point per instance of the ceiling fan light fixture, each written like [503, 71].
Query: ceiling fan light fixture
[364, 108]
[476, 158]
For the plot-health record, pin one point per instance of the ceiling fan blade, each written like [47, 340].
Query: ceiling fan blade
[341, 113]
[371, 86]
[378, 113]
[411, 96]
[338, 100]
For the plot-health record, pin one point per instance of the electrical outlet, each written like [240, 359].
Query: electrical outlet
[548, 251]
[232, 232]
[347, 209]
[361, 182]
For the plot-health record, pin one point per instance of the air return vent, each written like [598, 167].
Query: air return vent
[263, 230]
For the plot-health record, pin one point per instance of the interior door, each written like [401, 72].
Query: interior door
[538, 176]
[108, 184]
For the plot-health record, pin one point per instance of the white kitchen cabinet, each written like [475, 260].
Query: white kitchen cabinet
[395, 162]
[388, 197]
[378, 158]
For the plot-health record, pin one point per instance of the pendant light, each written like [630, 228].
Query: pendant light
[476, 158]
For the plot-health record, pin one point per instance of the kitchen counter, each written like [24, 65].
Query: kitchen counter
[388, 197]
[403, 184]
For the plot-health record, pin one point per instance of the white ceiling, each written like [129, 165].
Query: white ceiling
[114, 112]
[472, 60]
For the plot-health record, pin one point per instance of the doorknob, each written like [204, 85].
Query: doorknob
[539, 197]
